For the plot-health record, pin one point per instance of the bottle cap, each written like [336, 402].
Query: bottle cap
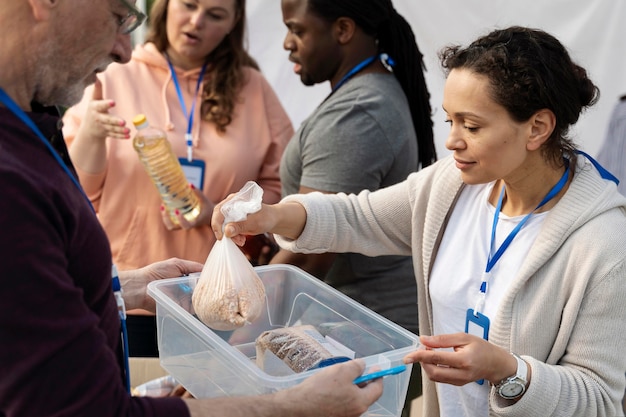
[139, 119]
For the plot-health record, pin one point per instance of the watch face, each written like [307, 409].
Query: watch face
[511, 389]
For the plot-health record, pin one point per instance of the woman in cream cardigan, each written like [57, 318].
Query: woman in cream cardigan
[517, 239]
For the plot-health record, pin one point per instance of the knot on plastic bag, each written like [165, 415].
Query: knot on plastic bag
[248, 200]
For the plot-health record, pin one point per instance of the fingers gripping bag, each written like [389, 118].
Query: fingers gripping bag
[229, 293]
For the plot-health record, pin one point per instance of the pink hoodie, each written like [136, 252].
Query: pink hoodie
[128, 204]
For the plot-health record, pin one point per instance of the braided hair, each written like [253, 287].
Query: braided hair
[395, 37]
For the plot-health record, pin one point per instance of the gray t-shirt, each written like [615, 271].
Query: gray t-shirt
[360, 137]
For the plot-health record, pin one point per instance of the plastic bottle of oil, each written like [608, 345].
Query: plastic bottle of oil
[162, 165]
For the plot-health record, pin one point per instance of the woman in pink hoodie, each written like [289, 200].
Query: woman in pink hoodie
[194, 76]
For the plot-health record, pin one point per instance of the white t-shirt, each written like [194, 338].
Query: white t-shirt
[456, 278]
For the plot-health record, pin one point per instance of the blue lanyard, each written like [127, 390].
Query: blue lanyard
[11, 105]
[493, 258]
[117, 290]
[359, 67]
[491, 261]
[189, 116]
[121, 309]
[604, 173]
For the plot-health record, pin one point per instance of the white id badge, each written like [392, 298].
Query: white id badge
[477, 325]
[194, 171]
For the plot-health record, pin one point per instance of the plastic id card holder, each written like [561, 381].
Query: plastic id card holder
[478, 325]
[194, 171]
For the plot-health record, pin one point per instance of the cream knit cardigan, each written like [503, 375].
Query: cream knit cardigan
[565, 314]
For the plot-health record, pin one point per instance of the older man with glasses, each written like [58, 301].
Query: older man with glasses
[132, 20]
[60, 342]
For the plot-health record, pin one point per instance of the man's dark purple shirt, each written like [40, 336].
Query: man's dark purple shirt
[60, 351]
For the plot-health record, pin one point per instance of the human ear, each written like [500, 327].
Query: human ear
[343, 29]
[542, 124]
[41, 8]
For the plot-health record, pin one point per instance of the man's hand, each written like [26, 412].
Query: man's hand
[332, 392]
[134, 282]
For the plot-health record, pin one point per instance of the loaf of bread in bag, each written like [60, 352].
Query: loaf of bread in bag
[296, 346]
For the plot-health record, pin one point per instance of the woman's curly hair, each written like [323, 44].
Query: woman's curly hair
[529, 70]
[220, 93]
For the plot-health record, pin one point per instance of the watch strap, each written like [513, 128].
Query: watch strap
[520, 377]
[522, 369]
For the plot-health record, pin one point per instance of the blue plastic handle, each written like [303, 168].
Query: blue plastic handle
[379, 374]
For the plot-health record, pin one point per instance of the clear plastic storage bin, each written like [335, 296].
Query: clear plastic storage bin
[212, 363]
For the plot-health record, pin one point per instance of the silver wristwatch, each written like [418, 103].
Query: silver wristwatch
[514, 386]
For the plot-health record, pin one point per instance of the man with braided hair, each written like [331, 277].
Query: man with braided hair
[371, 132]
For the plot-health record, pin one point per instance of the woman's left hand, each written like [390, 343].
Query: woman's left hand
[460, 358]
[203, 219]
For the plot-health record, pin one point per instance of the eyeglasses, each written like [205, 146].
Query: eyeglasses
[131, 21]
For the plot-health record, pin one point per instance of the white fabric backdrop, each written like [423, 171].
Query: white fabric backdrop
[593, 31]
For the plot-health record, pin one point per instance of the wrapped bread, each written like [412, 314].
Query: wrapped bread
[299, 347]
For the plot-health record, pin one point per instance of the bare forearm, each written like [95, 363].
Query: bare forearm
[133, 288]
[258, 406]
[88, 154]
[284, 219]
[289, 219]
[329, 393]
